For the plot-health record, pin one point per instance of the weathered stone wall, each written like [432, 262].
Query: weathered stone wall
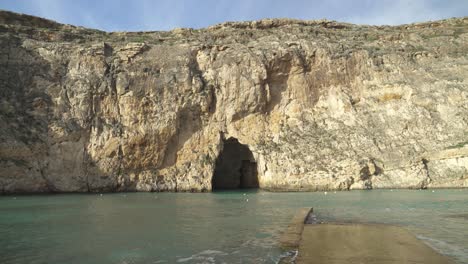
[322, 105]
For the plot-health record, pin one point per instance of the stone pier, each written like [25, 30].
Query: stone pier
[337, 243]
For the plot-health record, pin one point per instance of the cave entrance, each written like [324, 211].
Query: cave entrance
[235, 167]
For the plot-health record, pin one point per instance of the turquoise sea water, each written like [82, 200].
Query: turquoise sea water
[222, 227]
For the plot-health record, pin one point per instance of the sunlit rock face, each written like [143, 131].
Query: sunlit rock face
[320, 105]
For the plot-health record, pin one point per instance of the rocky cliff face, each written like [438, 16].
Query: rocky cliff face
[320, 104]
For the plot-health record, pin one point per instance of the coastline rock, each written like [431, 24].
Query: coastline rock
[321, 105]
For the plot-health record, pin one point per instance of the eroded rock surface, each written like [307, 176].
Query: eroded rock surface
[321, 105]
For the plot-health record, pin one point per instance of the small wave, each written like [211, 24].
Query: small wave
[458, 216]
[206, 256]
[445, 248]
[288, 257]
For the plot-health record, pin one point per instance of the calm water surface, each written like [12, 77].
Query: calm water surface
[224, 227]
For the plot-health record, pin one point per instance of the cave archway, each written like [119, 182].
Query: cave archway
[235, 167]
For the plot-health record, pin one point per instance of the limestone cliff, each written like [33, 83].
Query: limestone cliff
[320, 105]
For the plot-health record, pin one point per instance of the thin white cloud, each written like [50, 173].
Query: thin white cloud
[61, 12]
[89, 20]
[161, 14]
[168, 14]
[50, 9]
[397, 12]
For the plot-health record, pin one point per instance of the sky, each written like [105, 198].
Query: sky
[147, 15]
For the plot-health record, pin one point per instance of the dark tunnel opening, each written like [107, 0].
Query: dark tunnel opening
[235, 168]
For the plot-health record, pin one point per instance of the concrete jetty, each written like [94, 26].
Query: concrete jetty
[292, 236]
[337, 243]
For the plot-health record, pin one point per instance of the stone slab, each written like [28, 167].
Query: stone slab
[364, 243]
[292, 236]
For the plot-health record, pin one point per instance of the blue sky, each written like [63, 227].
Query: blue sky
[138, 15]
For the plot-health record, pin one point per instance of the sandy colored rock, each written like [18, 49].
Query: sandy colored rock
[321, 105]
